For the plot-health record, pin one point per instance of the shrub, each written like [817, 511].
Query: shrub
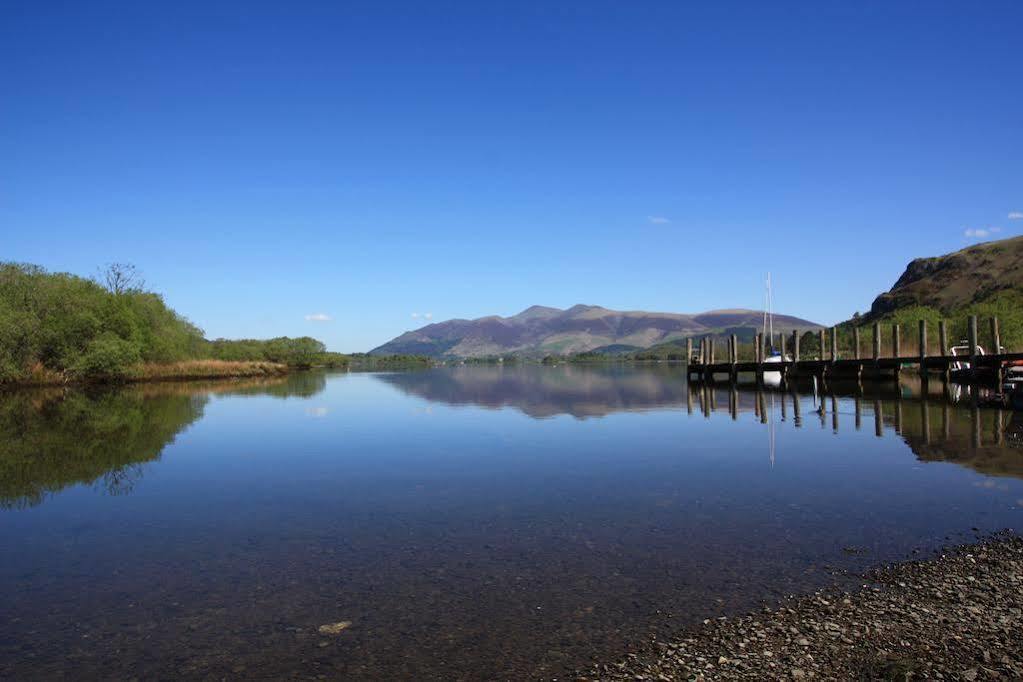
[108, 357]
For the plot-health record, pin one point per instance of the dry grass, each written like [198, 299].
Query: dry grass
[186, 370]
[205, 369]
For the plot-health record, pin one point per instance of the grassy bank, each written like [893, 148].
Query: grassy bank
[205, 369]
[184, 370]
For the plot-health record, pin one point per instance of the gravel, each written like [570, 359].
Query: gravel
[956, 616]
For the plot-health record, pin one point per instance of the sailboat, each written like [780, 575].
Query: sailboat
[772, 355]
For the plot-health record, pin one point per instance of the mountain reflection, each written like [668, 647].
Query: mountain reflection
[936, 425]
[51, 439]
[541, 392]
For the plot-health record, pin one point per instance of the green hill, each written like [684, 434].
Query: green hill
[955, 281]
[984, 280]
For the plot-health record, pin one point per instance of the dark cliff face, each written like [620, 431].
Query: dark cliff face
[540, 330]
[957, 279]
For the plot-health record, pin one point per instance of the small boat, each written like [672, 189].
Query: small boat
[962, 351]
[772, 355]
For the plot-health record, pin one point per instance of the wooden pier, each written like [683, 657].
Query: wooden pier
[970, 367]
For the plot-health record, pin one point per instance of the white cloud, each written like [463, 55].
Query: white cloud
[427, 316]
[981, 231]
[658, 220]
[318, 317]
[1016, 215]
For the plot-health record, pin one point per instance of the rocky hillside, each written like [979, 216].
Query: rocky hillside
[957, 280]
[540, 330]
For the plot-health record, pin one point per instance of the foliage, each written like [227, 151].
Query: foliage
[107, 357]
[1006, 305]
[370, 361]
[61, 325]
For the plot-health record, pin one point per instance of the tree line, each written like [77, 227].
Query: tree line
[63, 325]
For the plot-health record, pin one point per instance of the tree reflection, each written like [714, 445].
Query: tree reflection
[51, 439]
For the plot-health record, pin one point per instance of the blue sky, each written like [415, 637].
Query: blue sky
[262, 163]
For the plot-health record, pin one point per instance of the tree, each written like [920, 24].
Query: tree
[122, 277]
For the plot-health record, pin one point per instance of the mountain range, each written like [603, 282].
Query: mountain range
[540, 330]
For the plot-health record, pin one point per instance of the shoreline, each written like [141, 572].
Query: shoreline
[957, 615]
[189, 370]
[195, 370]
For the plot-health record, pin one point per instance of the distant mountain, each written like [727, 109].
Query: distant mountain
[955, 281]
[541, 330]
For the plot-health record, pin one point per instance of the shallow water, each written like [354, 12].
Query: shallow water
[470, 522]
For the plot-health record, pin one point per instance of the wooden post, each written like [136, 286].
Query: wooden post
[820, 334]
[896, 350]
[923, 343]
[758, 352]
[834, 344]
[877, 340]
[735, 349]
[973, 342]
[925, 420]
[856, 343]
[795, 345]
[689, 350]
[996, 341]
[943, 338]
[712, 354]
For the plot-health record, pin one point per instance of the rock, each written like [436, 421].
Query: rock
[335, 628]
[954, 617]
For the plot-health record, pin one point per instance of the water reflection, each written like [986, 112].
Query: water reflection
[578, 390]
[462, 543]
[936, 428]
[51, 439]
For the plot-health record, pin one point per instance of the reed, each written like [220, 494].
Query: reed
[204, 369]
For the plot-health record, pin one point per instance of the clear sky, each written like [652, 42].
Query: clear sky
[263, 163]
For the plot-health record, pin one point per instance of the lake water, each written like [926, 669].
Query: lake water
[470, 522]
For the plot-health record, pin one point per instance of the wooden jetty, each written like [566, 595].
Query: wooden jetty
[703, 365]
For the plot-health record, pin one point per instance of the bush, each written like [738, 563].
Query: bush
[108, 357]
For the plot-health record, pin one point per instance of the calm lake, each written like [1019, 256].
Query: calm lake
[470, 522]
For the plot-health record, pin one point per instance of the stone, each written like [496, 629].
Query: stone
[335, 628]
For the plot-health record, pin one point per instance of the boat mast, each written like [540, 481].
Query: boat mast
[770, 312]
